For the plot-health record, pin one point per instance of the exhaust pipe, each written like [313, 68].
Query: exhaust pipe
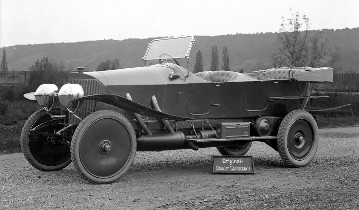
[173, 141]
[159, 142]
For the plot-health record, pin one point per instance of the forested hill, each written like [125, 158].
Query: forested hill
[246, 51]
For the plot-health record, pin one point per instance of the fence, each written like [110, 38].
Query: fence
[344, 90]
[342, 83]
[14, 77]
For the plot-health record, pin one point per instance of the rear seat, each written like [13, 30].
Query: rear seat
[224, 76]
[277, 74]
[323, 74]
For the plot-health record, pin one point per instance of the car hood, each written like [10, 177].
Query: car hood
[148, 75]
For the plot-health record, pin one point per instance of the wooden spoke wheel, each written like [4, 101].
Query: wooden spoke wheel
[237, 150]
[298, 138]
[103, 146]
[41, 148]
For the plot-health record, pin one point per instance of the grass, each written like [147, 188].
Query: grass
[17, 111]
[10, 138]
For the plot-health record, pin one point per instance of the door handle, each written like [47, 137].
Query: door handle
[212, 104]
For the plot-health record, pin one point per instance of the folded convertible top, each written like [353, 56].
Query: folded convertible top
[322, 74]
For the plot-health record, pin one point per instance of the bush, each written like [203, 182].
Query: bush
[13, 93]
[47, 71]
[11, 123]
[18, 111]
[9, 94]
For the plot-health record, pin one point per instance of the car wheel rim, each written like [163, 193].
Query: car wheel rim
[45, 150]
[105, 148]
[300, 139]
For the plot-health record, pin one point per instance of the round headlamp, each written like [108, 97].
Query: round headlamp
[44, 94]
[70, 92]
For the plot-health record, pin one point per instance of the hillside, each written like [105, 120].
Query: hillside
[246, 51]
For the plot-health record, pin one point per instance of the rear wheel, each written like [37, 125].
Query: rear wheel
[103, 146]
[237, 150]
[41, 148]
[298, 138]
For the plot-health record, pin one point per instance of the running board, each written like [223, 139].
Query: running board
[252, 138]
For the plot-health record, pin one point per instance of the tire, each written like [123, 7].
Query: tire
[103, 146]
[298, 138]
[38, 150]
[237, 150]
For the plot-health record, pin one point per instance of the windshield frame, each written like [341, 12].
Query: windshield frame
[151, 53]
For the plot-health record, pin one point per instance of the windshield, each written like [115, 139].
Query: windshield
[169, 48]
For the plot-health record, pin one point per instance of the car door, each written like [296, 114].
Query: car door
[202, 98]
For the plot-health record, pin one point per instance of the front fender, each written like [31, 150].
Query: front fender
[129, 105]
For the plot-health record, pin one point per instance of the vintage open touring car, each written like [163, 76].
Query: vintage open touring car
[100, 119]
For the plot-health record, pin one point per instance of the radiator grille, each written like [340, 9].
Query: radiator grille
[90, 87]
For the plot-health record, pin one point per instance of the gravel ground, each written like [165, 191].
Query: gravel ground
[183, 179]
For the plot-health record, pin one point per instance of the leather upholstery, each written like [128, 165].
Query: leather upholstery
[224, 76]
[203, 74]
[276, 74]
[324, 74]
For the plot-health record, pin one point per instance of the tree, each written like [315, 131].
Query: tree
[335, 60]
[225, 59]
[3, 61]
[198, 66]
[214, 61]
[109, 65]
[48, 71]
[293, 41]
[300, 47]
[116, 64]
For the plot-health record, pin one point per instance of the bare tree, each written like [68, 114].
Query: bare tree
[293, 41]
[300, 47]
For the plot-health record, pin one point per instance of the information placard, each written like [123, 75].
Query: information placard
[232, 165]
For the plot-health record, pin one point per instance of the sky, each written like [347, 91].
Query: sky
[56, 21]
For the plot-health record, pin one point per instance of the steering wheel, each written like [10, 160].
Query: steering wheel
[167, 56]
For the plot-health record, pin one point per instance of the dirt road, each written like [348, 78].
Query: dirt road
[183, 180]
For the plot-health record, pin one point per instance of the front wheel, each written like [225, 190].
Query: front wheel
[103, 146]
[40, 147]
[298, 138]
[237, 150]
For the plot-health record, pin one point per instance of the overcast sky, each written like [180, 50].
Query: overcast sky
[53, 21]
